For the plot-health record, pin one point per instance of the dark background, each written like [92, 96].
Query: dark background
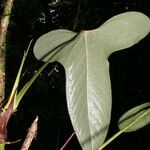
[129, 71]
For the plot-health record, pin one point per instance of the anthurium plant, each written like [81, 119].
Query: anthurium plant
[84, 56]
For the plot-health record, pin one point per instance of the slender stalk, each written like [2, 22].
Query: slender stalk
[68, 140]
[4, 22]
[30, 135]
[30, 82]
[14, 89]
[123, 130]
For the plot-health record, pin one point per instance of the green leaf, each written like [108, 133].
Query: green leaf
[123, 31]
[51, 41]
[84, 57]
[132, 114]
[87, 88]
[124, 129]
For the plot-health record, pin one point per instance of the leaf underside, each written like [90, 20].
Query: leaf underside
[132, 114]
[84, 58]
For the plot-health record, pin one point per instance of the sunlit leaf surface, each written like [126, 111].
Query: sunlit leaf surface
[84, 58]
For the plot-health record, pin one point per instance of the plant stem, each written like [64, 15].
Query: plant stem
[4, 22]
[30, 82]
[14, 89]
[30, 135]
[123, 130]
[68, 140]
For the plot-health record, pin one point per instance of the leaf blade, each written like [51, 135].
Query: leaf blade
[83, 89]
[132, 114]
[88, 87]
[51, 40]
[123, 31]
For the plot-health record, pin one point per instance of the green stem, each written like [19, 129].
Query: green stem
[4, 22]
[123, 130]
[14, 89]
[30, 82]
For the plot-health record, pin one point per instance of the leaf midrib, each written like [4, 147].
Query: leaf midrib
[87, 68]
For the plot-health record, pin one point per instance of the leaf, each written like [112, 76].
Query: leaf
[88, 88]
[48, 42]
[132, 123]
[123, 31]
[132, 114]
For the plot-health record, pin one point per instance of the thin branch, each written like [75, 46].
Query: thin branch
[68, 140]
[30, 135]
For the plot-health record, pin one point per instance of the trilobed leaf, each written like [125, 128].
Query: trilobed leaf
[133, 114]
[84, 57]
